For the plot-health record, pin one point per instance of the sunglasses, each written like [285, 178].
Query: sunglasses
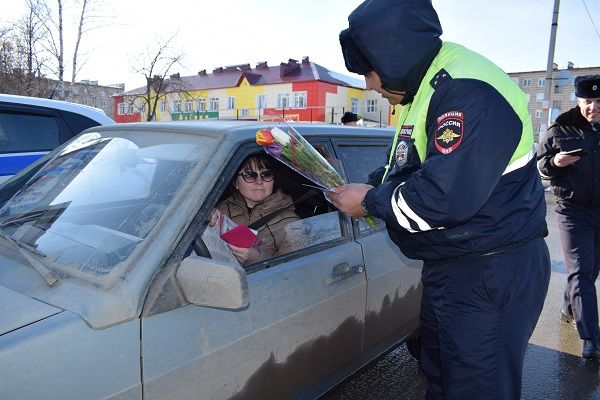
[251, 176]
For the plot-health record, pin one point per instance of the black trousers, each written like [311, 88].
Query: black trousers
[477, 315]
[580, 237]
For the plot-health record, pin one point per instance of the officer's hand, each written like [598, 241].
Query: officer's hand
[563, 160]
[347, 198]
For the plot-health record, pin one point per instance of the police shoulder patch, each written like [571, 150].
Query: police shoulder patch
[449, 131]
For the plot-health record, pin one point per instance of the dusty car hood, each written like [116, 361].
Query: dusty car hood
[17, 310]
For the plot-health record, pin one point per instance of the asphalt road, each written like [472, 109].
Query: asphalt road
[553, 367]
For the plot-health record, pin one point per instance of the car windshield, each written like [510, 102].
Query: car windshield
[89, 207]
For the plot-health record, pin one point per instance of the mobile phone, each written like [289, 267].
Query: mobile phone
[577, 152]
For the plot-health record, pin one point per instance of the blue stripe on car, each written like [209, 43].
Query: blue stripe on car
[12, 163]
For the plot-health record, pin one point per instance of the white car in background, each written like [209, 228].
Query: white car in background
[30, 127]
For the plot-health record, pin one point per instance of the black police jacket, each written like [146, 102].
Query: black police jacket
[578, 183]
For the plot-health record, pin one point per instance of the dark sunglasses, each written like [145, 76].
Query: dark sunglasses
[251, 176]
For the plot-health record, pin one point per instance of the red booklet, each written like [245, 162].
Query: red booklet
[237, 235]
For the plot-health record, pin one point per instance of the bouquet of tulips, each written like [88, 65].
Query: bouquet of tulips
[288, 146]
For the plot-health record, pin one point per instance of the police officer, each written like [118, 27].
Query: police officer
[461, 193]
[569, 156]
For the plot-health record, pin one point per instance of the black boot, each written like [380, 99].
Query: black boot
[591, 347]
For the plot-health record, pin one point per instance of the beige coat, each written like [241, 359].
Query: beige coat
[276, 239]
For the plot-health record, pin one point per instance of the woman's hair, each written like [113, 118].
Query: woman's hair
[257, 162]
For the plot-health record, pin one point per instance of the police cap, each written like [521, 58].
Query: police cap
[587, 86]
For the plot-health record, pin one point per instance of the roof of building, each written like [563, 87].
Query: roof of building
[230, 76]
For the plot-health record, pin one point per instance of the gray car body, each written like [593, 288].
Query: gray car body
[302, 332]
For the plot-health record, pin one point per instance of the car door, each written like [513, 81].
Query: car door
[304, 322]
[393, 280]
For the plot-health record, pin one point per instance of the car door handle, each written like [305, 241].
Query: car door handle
[343, 271]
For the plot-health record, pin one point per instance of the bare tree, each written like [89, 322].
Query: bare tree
[56, 37]
[21, 56]
[156, 67]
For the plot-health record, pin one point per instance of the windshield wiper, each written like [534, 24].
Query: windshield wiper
[24, 249]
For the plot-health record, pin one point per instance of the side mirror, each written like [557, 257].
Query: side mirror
[210, 283]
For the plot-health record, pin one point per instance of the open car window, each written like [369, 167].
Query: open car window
[315, 224]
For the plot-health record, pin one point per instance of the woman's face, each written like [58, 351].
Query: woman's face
[252, 185]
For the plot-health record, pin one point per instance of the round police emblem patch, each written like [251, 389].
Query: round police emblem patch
[449, 131]
[401, 153]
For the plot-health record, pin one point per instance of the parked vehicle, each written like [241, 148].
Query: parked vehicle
[30, 127]
[112, 285]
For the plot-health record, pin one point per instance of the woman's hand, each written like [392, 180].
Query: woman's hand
[242, 254]
[215, 215]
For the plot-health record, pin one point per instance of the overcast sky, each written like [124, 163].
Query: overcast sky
[512, 33]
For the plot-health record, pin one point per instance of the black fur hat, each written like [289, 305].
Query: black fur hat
[587, 86]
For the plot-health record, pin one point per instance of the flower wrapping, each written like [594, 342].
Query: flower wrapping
[289, 147]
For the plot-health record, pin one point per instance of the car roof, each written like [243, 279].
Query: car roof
[93, 113]
[236, 130]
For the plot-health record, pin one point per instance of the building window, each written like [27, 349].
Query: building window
[143, 108]
[214, 104]
[230, 103]
[261, 101]
[557, 89]
[371, 106]
[163, 106]
[538, 113]
[541, 82]
[201, 104]
[539, 97]
[536, 129]
[189, 105]
[556, 104]
[177, 106]
[244, 112]
[283, 100]
[355, 105]
[300, 99]
[516, 79]
[528, 97]
[526, 82]
[104, 103]
[130, 109]
[121, 109]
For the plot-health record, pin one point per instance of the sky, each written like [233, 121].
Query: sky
[514, 34]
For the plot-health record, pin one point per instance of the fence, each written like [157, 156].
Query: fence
[322, 114]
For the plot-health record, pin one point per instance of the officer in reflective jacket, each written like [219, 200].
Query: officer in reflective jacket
[460, 191]
[569, 156]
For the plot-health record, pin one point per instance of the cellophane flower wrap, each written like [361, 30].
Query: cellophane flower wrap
[289, 147]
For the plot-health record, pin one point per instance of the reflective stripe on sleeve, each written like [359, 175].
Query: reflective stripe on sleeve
[403, 213]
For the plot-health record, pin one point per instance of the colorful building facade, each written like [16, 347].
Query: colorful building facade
[299, 91]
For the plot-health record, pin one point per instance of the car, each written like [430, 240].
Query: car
[113, 284]
[30, 127]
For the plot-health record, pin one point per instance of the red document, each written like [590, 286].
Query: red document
[237, 235]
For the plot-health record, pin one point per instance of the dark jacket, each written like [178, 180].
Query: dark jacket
[276, 239]
[465, 202]
[578, 183]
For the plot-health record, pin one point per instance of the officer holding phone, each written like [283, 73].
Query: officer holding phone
[569, 156]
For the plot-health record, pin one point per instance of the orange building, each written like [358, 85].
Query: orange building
[299, 91]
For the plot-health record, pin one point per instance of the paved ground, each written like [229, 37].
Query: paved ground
[553, 367]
